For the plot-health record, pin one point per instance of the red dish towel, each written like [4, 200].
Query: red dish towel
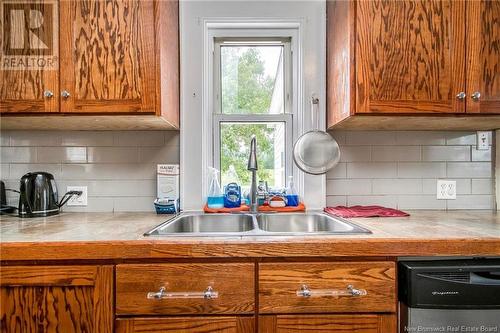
[364, 211]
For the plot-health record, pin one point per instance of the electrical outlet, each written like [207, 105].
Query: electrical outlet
[483, 141]
[80, 200]
[446, 189]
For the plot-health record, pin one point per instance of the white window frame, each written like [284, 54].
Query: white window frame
[236, 29]
[286, 118]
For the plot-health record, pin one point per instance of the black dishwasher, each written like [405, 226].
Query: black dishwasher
[449, 295]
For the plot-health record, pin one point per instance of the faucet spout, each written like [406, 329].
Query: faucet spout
[252, 167]
[252, 159]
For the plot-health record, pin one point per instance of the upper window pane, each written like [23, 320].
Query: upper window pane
[252, 79]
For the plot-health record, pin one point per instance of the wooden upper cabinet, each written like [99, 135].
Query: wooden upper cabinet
[107, 56]
[29, 71]
[69, 299]
[413, 64]
[483, 56]
[116, 65]
[410, 56]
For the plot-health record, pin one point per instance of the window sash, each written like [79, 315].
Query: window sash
[286, 118]
[257, 41]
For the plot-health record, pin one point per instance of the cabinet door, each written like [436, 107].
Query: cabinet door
[383, 323]
[29, 71]
[107, 56]
[410, 56]
[56, 299]
[186, 324]
[483, 56]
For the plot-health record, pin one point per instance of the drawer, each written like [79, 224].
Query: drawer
[187, 289]
[184, 324]
[327, 287]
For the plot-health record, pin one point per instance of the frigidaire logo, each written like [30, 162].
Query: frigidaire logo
[29, 35]
[445, 293]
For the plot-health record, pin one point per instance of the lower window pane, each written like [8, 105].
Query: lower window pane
[235, 148]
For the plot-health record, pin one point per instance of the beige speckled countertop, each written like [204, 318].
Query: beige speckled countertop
[120, 236]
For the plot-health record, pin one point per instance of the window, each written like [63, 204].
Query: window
[253, 97]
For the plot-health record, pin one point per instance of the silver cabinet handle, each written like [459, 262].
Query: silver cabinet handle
[65, 94]
[209, 293]
[461, 95]
[304, 291]
[476, 96]
[48, 93]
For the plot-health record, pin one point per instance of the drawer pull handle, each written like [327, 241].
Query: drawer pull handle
[304, 291]
[209, 293]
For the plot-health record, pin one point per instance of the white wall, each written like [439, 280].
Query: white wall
[193, 18]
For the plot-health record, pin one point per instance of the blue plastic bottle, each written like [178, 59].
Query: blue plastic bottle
[291, 194]
[215, 198]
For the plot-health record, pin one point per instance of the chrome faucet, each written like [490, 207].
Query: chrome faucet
[252, 167]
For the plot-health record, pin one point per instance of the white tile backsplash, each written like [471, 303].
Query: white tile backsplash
[118, 168]
[469, 170]
[113, 155]
[355, 154]
[482, 186]
[18, 154]
[349, 186]
[86, 138]
[371, 170]
[472, 202]
[62, 154]
[420, 138]
[389, 168]
[421, 170]
[446, 153]
[396, 153]
[404, 166]
[370, 138]
[481, 155]
[397, 186]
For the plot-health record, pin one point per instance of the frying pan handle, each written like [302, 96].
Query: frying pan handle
[315, 113]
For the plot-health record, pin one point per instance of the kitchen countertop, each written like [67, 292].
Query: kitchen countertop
[116, 236]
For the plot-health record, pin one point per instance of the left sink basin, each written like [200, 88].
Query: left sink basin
[196, 224]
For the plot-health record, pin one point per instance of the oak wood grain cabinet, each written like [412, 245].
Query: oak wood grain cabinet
[187, 289]
[413, 64]
[335, 323]
[118, 69]
[327, 297]
[56, 299]
[227, 324]
[327, 287]
[32, 89]
[176, 294]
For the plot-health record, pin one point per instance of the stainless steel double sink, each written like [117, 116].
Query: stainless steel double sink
[268, 224]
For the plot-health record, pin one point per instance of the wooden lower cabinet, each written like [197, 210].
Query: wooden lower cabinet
[335, 323]
[53, 299]
[229, 324]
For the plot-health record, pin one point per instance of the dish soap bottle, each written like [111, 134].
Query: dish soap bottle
[215, 198]
[291, 194]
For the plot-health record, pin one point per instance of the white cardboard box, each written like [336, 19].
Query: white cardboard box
[167, 185]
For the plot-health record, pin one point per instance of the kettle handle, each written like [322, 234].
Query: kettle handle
[68, 195]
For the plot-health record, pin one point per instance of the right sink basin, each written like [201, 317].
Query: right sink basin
[307, 223]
